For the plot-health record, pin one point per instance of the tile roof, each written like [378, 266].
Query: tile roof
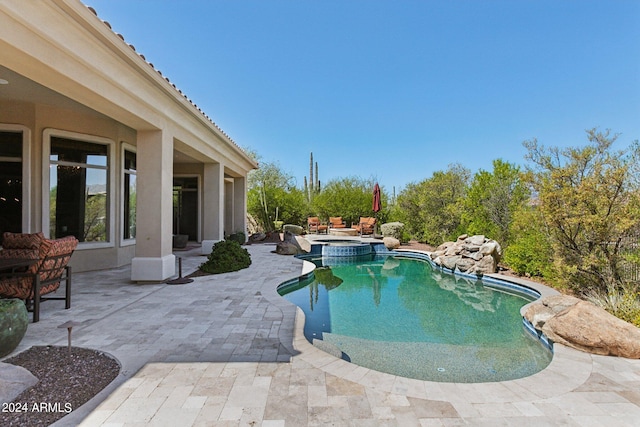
[165, 77]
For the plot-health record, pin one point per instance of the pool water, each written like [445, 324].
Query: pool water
[399, 316]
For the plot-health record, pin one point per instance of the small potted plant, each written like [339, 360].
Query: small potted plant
[14, 320]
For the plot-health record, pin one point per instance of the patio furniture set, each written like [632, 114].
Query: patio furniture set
[338, 227]
[32, 268]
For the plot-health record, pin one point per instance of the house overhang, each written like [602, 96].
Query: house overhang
[60, 53]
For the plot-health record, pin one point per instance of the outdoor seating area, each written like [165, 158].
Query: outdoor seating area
[315, 226]
[196, 366]
[366, 226]
[336, 222]
[33, 268]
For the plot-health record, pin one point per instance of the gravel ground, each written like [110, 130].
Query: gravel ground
[66, 381]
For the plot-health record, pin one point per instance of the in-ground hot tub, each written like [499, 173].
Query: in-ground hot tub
[344, 248]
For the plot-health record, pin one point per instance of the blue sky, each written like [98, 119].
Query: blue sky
[395, 90]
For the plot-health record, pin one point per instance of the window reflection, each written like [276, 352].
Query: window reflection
[78, 190]
[129, 230]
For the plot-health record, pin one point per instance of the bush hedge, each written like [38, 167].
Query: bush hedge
[393, 229]
[226, 256]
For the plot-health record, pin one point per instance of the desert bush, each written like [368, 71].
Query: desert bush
[588, 198]
[624, 303]
[239, 237]
[273, 196]
[530, 252]
[393, 229]
[492, 200]
[432, 209]
[292, 228]
[349, 198]
[226, 256]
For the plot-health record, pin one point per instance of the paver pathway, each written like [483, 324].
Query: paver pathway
[226, 350]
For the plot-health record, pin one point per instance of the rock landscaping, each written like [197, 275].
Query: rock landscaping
[469, 254]
[584, 326]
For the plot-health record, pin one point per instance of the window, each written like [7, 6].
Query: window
[11, 197]
[129, 193]
[78, 189]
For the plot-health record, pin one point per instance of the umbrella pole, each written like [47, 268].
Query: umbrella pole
[375, 225]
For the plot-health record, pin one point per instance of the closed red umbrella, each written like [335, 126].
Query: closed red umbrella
[377, 205]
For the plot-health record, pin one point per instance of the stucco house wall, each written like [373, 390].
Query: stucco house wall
[68, 75]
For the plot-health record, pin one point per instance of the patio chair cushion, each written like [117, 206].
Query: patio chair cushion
[19, 253]
[53, 256]
[21, 246]
[314, 225]
[336, 222]
[21, 240]
[365, 225]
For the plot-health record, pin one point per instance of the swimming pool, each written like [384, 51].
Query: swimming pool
[400, 316]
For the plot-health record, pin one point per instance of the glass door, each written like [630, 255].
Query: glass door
[185, 207]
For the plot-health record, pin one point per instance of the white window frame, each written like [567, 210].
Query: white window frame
[26, 176]
[111, 187]
[125, 147]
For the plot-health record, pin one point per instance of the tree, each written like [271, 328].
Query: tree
[432, 209]
[492, 200]
[273, 192]
[589, 201]
[349, 198]
[530, 252]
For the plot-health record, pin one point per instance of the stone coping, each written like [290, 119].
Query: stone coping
[568, 369]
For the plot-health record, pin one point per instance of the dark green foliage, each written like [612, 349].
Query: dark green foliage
[349, 198]
[589, 201]
[273, 195]
[492, 201]
[431, 210]
[226, 256]
[239, 237]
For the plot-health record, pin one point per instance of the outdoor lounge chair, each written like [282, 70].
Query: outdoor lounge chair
[365, 225]
[336, 222]
[315, 226]
[43, 277]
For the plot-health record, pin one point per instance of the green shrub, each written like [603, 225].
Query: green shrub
[239, 237]
[623, 303]
[293, 229]
[530, 252]
[393, 229]
[226, 256]
[526, 256]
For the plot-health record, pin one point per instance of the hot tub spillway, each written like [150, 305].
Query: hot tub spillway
[345, 249]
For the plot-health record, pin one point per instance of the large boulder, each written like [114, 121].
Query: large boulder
[471, 254]
[13, 381]
[391, 243]
[252, 225]
[294, 229]
[301, 244]
[287, 248]
[584, 326]
[257, 237]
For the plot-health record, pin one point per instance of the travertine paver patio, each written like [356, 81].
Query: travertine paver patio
[226, 350]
